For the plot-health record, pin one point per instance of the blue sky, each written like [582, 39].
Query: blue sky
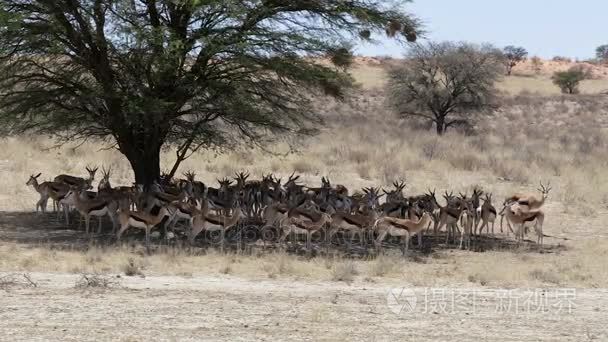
[544, 27]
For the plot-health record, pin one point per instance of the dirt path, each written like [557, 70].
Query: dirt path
[234, 309]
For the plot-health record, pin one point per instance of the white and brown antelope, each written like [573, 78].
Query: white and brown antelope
[79, 182]
[467, 221]
[140, 219]
[53, 190]
[124, 195]
[205, 221]
[354, 224]
[404, 228]
[522, 219]
[183, 211]
[529, 201]
[299, 226]
[487, 215]
[98, 207]
[449, 215]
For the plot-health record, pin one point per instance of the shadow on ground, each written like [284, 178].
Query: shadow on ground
[38, 229]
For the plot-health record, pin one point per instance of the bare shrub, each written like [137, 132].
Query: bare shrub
[96, 281]
[16, 280]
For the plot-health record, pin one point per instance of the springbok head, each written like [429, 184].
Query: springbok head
[544, 190]
[33, 179]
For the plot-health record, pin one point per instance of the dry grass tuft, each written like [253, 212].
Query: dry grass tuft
[546, 276]
[383, 266]
[344, 271]
[132, 268]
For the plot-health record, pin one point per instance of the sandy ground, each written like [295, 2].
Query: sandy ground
[233, 309]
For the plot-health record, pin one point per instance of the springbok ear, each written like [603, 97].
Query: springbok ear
[38, 175]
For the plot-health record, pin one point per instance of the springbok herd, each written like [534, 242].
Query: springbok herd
[280, 209]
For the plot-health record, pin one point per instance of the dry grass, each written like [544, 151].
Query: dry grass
[533, 138]
[580, 266]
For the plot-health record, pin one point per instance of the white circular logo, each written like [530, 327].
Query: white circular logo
[400, 300]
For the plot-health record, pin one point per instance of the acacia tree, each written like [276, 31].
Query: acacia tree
[568, 81]
[513, 56]
[602, 52]
[145, 74]
[445, 82]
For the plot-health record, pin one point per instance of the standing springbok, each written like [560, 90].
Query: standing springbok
[528, 201]
[46, 190]
[401, 227]
[354, 224]
[487, 215]
[517, 217]
[467, 221]
[94, 207]
[304, 227]
[78, 181]
[141, 220]
[204, 221]
[448, 215]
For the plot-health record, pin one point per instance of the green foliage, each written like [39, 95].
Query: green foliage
[568, 81]
[193, 73]
[445, 82]
[602, 52]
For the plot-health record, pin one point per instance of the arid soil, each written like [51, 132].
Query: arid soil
[233, 309]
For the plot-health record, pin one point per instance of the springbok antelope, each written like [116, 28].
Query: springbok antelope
[183, 211]
[354, 224]
[94, 207]
[141, 220]
[487, 215]
[299, 226]
[396, 195]
[467, 221]
[205, 221]
[530, 201]
[475, 205]
[520, 218]
[448, 215]
[401, 227]
[273, 214]
[78, 181]
[162, 199]
[198, 188]
[41, 189]
[124, 195]
[56, 191]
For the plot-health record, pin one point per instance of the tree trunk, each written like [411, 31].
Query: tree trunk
[143, 154]
[146, 167]
[440, 123]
